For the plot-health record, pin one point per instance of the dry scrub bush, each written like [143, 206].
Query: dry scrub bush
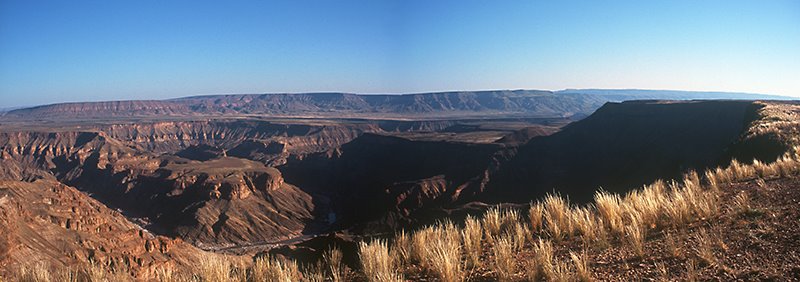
[333, 259]
[376, 263]
[471, 236]
[504, 264]
[274, 269]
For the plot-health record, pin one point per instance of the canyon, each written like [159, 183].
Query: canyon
[154, 182]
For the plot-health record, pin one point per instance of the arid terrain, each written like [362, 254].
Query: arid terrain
[477, 186]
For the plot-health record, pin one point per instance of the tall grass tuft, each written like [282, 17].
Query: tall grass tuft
[213, 268]
[471, 236]
[377, 264]
[504, 264]
[581, 262]
[333, 259]
[274, 269]
[556, 215]
[442, 251]
[609, 206]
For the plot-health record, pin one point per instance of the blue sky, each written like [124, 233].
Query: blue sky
[59, 51]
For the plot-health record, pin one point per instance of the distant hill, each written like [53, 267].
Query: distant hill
[619, 95]
[462, 104]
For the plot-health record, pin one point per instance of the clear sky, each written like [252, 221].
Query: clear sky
[58, 51]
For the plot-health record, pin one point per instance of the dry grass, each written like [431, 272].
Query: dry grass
[441, 251]
[634, 237]
[402, 248]
[691, 271]
[313, 273]
[333, 259]
[705, 248]
[213, 268]
[543, 257]
[272, 269]
[504, 264]
[377, 264]
[556, 215]
[492, 223]
[609, 208]
[38, 272]
[673, 245]
[581, 262]
[535, 216]
[472, 236]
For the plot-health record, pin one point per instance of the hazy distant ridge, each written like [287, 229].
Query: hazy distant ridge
[517, 103]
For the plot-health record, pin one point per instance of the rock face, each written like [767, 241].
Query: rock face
[46, 221]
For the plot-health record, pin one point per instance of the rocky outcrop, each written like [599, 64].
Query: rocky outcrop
[48, 222]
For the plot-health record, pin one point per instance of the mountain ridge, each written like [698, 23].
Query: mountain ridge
[486, 103]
